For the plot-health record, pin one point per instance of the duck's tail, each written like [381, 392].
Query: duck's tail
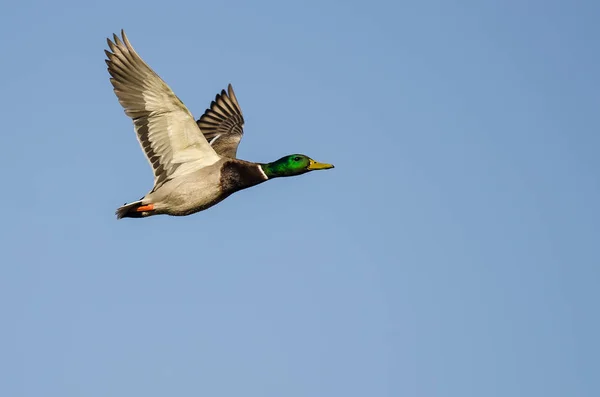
[134, 210]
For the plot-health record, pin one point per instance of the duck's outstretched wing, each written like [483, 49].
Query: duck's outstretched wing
[223, 123]
[165, 128]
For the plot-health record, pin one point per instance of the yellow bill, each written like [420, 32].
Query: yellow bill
[313, 165]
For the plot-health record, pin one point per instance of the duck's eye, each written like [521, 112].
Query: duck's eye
[296, 158]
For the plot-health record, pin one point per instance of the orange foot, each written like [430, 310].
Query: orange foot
[143, 208]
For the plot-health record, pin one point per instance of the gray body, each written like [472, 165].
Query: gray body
[203, 188]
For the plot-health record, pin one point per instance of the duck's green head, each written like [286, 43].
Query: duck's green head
[294, 164]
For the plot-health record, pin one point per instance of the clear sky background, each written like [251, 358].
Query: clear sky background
[453, 251]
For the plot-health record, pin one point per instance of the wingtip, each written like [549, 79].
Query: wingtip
[126, 39]
[230, 91]
[233, 97]
[117, 41]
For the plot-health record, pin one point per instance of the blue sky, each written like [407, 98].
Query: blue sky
[451, 252]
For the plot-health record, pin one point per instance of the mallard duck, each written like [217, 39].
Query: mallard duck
[194, 161]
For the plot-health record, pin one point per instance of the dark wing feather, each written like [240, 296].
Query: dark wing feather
[223, 123]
